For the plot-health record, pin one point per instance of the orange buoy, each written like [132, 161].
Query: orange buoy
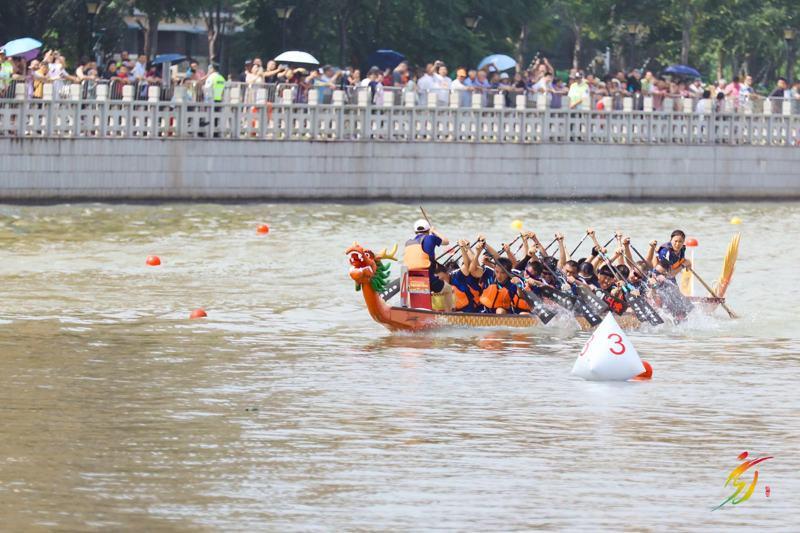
[263, 229]
[647, 374]
[198, 313]
[691, 242]
[153, 260]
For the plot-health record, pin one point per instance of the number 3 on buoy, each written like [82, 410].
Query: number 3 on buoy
[617, 342]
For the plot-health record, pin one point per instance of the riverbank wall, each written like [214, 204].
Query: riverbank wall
[56, 169]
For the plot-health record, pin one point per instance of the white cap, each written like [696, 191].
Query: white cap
[421, 226]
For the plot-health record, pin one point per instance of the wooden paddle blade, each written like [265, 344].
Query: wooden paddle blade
[644, 311]
[391, 290]
[564, 299]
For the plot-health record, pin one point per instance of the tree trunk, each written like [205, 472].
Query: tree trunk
[720, 62]
[151, 35]
[576, 50]
[342, 37]
[522, 45]
[686, 32]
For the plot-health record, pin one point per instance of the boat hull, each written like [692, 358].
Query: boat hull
[411, 319]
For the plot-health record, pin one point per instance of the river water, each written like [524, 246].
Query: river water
[289, 409]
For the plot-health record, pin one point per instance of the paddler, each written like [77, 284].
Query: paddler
[671, 255]
[465, 289]
[420, 252]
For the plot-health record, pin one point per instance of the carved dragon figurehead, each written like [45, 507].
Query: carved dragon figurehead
[368, 268]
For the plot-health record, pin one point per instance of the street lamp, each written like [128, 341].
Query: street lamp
[283, 14]
[471, 22]
[633, 28]
[92, 8]
[789, 35]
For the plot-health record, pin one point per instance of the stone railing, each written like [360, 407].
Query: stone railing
[637, 122]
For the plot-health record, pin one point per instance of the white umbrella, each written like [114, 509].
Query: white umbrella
[295, 56]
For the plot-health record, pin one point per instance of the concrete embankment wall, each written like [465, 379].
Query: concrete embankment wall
[130, 169]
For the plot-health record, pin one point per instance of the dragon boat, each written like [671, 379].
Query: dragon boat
[371, 273]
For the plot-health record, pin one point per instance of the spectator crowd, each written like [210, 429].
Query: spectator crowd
[575, 91]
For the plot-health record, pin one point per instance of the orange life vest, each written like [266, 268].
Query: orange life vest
[520, 303]
[463, 299]
[496, 297]
[414, 257]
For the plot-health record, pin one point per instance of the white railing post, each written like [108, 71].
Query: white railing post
[608, 103]
[127, 93]
[586, 102]
[338, 97]
[477, 100]
[454, 97]
[728, 106]
[707, 107]
[261, 95]
[786, 108]
[388, 99]
[287, 96]
[410, 98]
[179, 93]
[522, 101]
[47, 91]
[499, 101]
[687, 105]
[432, 99]
[102, 92]
[20, 91]
[313, 96]
[767, 106]
[235, 93]
[627, 104]
[362, 99]
[648, 104]
[153, 93]
[74, 92]
[541, 101]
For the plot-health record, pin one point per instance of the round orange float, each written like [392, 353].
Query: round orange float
[691, 242]
[153, 260]
[263, 229]
[647, 374]
[198, 313]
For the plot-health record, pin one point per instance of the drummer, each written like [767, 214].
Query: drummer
[420, 252]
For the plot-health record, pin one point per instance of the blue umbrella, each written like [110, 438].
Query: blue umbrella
[500, 61]
[25, 47]
[168, 58]
[384, 59]
[682, 70]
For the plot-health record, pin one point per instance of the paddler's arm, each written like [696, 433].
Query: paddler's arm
[562, 252]
[466, 259]
[525, 248]
[475, 269]
[651, 258]
[538, 245]
[626, 244]
[445, 241]
[492, 251]
[509, 254]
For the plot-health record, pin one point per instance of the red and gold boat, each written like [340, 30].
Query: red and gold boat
[370, 273]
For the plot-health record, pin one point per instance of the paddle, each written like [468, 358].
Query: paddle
[672, 299]
[641, 307]
[579, 244]
[588, 310]
[709, 289]
[536, 304]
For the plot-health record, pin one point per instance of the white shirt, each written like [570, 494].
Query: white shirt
[138, 71]
[425, 83]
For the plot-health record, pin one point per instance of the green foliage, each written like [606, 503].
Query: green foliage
[724, 37]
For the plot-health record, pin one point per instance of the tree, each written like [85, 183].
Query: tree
[219, 17]
[155, 11]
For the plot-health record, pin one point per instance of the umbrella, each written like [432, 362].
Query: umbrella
[384, 59]
[25, 47]
[500, 61]
[168, 58]
[297, 57]
[682, 70]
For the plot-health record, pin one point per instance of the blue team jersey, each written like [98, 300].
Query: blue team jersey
[671, 256]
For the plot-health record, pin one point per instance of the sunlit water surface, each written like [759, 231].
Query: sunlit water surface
[288, 409]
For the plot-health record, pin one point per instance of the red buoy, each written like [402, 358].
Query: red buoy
[263, 229]
[198, 313]
[691, 242]
[767, 490]
[153, 260]
[647, 374]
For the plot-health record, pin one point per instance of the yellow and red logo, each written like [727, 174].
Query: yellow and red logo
[733, 480]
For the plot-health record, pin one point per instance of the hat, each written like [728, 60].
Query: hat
[504, 76]
[578, 75]
[373, 70]
[248, 61]
[421, 226]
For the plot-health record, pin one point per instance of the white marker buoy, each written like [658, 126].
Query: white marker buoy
[608, 355]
